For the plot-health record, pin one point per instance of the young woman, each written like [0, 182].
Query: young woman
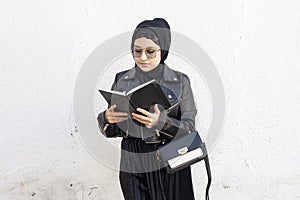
[142, 177]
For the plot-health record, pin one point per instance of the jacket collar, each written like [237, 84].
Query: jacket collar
[168, 74]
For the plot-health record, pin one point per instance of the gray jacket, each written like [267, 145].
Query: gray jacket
[177, 89]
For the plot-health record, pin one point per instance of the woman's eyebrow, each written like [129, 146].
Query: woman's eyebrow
[149, 47]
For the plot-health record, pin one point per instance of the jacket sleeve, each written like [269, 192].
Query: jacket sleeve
[107, 129]
[171, 125]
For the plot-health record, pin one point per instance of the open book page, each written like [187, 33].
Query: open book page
[149, 94]
[113, 92]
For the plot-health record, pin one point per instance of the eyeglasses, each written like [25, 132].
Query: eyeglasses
[150, 53]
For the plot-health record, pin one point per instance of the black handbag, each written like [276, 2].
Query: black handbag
[182, 152]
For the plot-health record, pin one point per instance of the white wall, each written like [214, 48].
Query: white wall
[254, 45]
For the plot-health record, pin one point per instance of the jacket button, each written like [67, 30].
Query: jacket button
[126, 77]
[170, 96]
[175, 79]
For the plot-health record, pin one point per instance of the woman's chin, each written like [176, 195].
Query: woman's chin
[146, 67]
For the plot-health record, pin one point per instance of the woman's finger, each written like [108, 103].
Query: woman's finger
[120, 114]
[142, 121]
[156, 109]
[145, 112]
[141, 117]
[120, 119]
[112, 108]
[113, 119]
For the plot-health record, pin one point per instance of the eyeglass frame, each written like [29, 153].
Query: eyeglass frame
[133, 51]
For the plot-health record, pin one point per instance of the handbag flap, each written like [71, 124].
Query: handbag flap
[180, 146]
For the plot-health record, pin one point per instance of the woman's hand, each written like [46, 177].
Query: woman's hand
[114, 117]
[150, 119]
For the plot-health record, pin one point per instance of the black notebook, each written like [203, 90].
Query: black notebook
[143, 96]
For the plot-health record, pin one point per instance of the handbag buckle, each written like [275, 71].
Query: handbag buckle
[183, 150]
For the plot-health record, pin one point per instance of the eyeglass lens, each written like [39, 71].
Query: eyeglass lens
[150, 53]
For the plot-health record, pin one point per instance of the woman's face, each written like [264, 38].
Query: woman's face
[146, 54]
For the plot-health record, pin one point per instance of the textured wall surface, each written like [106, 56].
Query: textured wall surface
[254, 44]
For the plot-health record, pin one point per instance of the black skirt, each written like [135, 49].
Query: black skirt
[142, 176]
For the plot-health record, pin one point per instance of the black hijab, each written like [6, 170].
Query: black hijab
[162, 30]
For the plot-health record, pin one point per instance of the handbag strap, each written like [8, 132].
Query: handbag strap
[207, 166]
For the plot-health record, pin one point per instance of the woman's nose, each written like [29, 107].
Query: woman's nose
[143, 56]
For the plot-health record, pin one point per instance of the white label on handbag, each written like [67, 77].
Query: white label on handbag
[182, 151]
[179, 160]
